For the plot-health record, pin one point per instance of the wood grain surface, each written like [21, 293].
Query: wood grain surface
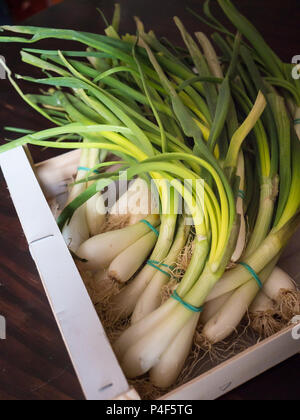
[34, 364]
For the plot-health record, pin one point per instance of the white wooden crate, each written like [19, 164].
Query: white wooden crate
[92, 356]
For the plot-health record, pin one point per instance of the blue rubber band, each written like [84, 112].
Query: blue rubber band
[185, 304]
[297, 121]
[83, 168]
[150, 226]
[242, 194]
[253, 274]
[157, 266]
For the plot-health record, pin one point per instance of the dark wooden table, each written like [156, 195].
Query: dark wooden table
[34, 364]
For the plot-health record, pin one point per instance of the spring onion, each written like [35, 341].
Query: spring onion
[218, 149]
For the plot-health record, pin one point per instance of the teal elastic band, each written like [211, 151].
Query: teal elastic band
[253, 274]
[185, 304]
[296, 122]
[157, 266]
[242, 194]
[83, 168]
[150, 226]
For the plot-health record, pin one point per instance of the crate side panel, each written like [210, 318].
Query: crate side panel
[94, 361]
[240, 369]
[92, 356]
[30, 203]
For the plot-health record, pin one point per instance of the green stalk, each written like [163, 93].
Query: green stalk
[212, 23]
[117, 17]
[273, 63]
[139, 139]
[285, 85]
[115, 48]
[166, 237]
[221, 115]
[269, 249]
[293, 203]
[268, 117]
[42, 64]
[25, 97]
[83, 69]
[202, 67]
[164, 144]
[242, 133]
[88, 112]
[268, 195]
[260, 134]
[98, 108]
[250, 180]
[195, 268]
[210, 55]
[283, 125]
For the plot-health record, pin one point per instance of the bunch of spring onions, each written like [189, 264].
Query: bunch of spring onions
[173, 114]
